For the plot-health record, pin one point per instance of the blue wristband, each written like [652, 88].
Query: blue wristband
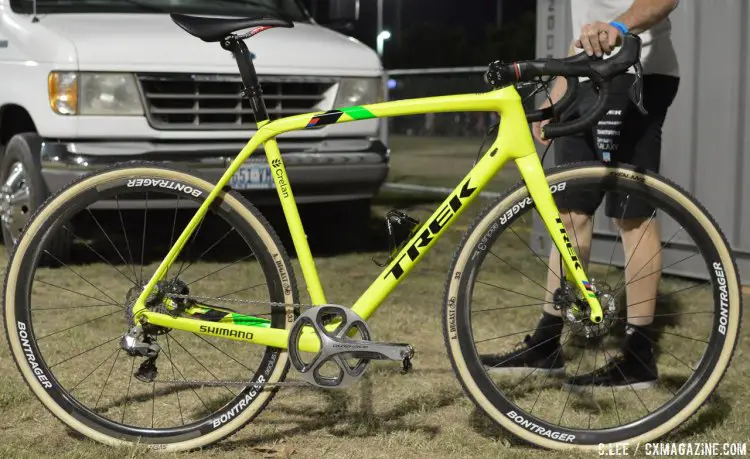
[619, 26]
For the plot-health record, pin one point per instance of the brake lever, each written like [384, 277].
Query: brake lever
[636, 90]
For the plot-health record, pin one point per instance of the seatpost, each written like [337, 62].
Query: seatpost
[252, 89]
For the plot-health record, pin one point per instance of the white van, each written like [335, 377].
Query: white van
[87, 83]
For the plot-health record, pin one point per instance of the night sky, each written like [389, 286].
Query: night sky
[471, 15]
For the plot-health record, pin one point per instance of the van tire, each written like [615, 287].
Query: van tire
[24, 151]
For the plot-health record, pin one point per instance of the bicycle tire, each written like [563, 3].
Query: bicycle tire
[273, 367]
[458, 334]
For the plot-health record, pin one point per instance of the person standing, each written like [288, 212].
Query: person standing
[623, 135]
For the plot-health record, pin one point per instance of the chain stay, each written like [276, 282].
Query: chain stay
[218, 383]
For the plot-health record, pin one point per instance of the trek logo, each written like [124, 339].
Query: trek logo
[276, 163]
[431, 229]
[218, 331]
[568, 244]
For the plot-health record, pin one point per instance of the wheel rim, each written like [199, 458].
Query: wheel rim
[15, 201]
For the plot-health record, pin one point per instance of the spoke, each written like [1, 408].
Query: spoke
[127, 394]
[683, 336]
[98, 399]
[546, 377]
[664, 295]
[653, 256]
[519, 271]
[652, 373]
[220, 269]
[171, 243]
[110, 242]
[74, 326]
[189, 247]
[174, 366]
[509, 307]
[614, 399]
[606, 356]
[240, 290]
[85, 352]
[635, 249]
[177, 392]
[143, 235]
[653, 272]
[103, 305]
[672, 314]
[663, 349]
[79, 293]
[596, 354]
[223, 352]
[127, 242]
[512, 291]
[201, 364]
[567, 397]
[93, 371]
[619, 233]
[527, 349]
[546, 264]
[231, 230]
[82, 278]
[153, 403]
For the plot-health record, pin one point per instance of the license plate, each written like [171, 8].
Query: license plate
[252, 177]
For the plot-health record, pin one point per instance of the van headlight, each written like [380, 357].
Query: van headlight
[359, 91]
[85, 93]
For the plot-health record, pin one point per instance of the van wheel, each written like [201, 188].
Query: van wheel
[22, 191]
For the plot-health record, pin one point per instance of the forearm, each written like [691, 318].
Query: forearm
[560, 85]
[644, 14]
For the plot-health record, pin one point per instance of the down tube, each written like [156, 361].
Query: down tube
[430, 232]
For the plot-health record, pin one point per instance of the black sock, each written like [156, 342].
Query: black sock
[548, 331]
[639, 341]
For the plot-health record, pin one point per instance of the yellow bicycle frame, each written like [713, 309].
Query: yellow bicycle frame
[513, 141]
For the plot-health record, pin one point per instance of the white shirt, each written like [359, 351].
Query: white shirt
[657, 53]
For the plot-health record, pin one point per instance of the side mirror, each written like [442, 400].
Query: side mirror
[342, 13]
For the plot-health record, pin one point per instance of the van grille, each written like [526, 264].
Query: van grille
[188, 102]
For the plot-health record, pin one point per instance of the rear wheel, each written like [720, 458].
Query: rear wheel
[65, 322]
[498, 283]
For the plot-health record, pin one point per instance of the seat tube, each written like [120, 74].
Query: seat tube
[252, 89]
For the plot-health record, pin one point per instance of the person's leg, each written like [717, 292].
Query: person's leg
[639, 145]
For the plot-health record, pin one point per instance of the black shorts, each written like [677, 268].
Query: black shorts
[623, 135]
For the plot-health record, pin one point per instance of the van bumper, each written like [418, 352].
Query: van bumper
[319, 171]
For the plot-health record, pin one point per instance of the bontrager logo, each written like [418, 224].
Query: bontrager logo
[442, 217]
[276, 163]
[168, 184]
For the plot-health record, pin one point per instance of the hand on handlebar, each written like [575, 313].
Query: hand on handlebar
[598, 38]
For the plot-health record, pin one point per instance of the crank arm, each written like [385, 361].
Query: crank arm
[373, 350]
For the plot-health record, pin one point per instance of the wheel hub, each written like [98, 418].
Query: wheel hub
[576, 312]
[15, 201]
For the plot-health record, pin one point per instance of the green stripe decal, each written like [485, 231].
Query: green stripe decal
[250, 321]
[358, 112]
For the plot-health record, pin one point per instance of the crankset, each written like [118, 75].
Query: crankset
[335, 327]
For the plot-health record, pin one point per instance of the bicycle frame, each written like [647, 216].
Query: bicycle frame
[513, 142]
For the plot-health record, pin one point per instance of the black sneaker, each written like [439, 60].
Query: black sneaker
[631, 373]
[527, 356]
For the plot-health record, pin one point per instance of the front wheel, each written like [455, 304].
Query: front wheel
[501, 277]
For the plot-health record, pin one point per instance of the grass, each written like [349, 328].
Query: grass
[421, 414]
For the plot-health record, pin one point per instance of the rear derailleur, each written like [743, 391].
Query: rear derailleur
[138, 343]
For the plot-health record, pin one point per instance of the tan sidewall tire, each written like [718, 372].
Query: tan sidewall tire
[69, 193]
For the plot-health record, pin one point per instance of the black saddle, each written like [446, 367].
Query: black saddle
[216, 29]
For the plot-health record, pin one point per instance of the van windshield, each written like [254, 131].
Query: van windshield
[291, 9]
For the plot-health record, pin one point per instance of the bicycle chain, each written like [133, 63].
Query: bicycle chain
[288, 383]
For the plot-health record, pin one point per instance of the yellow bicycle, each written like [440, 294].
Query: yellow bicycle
[124, 373]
